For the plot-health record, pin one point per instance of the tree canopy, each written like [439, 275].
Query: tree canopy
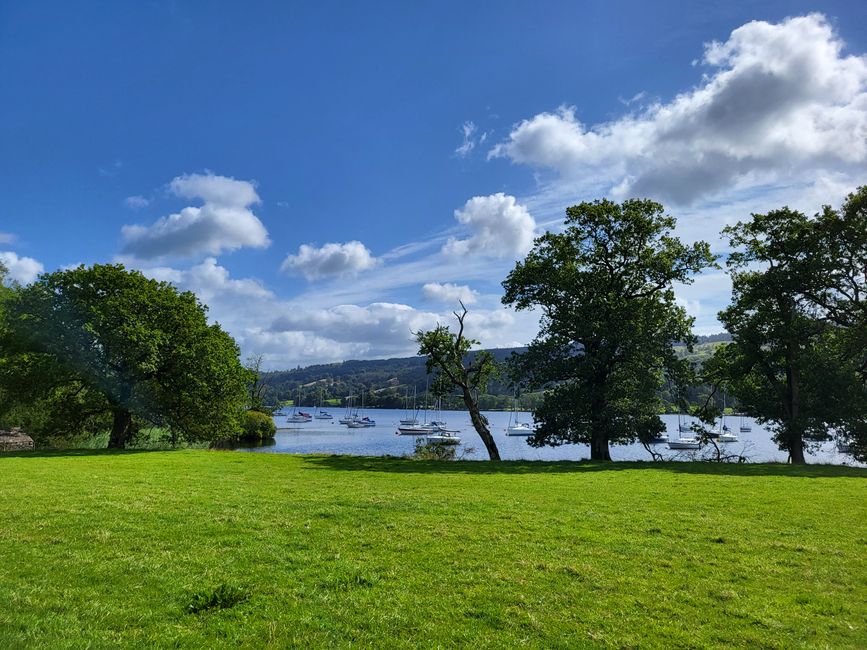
[609, 321]
[797, 318]
[115, 342]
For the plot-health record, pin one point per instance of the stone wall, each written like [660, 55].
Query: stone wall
[15, 440]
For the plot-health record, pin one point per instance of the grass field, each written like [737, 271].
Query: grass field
[226, 549]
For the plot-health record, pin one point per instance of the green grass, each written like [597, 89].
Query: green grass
[225, 549]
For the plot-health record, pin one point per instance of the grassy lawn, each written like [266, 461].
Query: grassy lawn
[226, 549]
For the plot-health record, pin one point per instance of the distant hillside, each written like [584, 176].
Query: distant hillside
[386, 381]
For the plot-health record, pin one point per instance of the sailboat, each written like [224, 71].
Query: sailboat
[298, 416]
[320, 414]
[518, 428]
[681, 427]
[443, 438]
[684, 443]
[726, 434]
[414, 428]
[410, 421]
[359, 420]
[745, 428]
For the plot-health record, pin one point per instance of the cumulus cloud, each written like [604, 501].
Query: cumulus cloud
[136, 202]
[21, 269]
[779, 101]
[224, 221]
[449, 293]
[500, 227]
[211, 283]
[331, 260]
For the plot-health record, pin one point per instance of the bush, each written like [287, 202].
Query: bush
[257, 426]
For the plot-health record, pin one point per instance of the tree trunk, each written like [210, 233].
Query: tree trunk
[119, 428]
[794, 428]
[599, 431]
[599, 446]
[480, 424]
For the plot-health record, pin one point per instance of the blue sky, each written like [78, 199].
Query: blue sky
[330, 176]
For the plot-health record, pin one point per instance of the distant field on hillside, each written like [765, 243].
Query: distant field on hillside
[221, 549]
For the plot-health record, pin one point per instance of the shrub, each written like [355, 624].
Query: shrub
[257, 426]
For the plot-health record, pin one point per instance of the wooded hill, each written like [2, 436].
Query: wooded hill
[385, 382]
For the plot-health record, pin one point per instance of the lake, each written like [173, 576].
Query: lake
[330, 437]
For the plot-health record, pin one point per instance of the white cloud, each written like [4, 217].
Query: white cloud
[305, 331]
[331, 260]
[449, 293]
[21, 269]
[781, 102]
[136, 202]
[500, 227]
[224, 222]
[468, 129]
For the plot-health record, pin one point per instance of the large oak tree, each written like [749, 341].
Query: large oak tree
[609, 320]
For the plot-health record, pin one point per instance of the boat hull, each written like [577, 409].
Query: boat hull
[684, 444]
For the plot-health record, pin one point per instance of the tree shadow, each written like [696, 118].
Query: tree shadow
[397, 465]
[59, 453]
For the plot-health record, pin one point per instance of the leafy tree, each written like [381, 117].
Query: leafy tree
[608, 322]
[131, 345]
[798, 356]
[446, 353]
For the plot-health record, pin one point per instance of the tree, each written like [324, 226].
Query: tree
[608, 322]
[136, 347]
[446, 353]
[798, 355]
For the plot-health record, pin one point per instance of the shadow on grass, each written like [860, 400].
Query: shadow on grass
[55, 453]
[409, 466]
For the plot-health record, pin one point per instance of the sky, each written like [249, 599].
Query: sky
[329, 177]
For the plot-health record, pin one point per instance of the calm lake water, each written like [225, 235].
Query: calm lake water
[330, 437]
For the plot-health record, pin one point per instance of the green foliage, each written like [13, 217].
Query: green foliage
[98, 340]
[797, 317]
[609, 322]
[106, 550]
[257, 426]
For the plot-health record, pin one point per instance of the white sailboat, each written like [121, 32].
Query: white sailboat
[684, 443]
[745, 428]
[349, 416]
[410, 421]
[680, 442]
[443, 438]
[725, 433]
[518, 428]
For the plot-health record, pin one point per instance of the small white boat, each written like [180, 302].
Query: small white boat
[414, 430]
[520, 429]
[443, 438]
[659, 438]
[356, 424]
[322, 415]
[298, 417]
[726, 434]
[684, 443]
